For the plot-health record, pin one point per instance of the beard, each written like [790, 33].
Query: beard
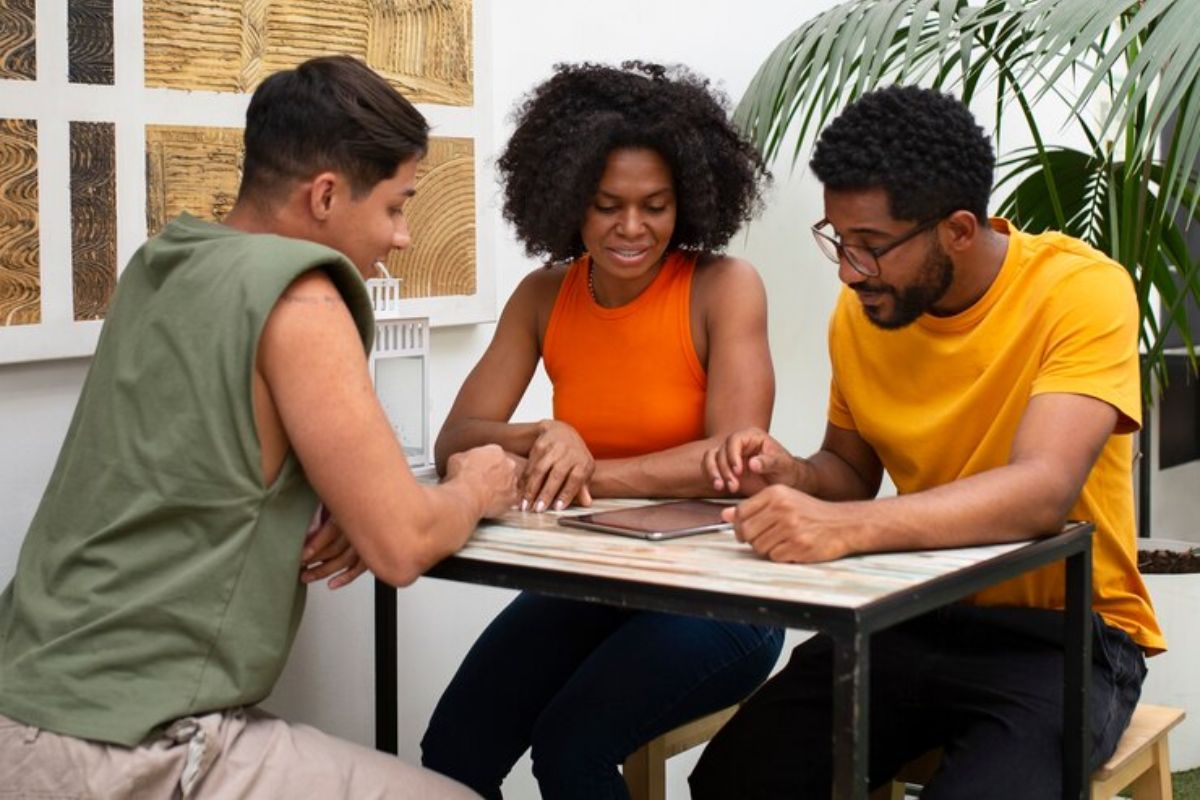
[910, 302]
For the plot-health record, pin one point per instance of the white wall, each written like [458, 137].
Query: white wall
[329, 679]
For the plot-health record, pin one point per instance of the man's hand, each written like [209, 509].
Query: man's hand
[492, 472]
[558, 469]
[783, 524]
[750, 460]
[327, 552]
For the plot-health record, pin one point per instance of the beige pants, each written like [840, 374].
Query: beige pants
[234, 754]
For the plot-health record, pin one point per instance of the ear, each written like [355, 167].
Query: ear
[959, 231]
[322, 194]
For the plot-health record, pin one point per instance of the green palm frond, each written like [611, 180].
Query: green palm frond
[1136, 64]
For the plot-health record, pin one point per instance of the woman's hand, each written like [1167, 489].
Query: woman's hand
[558, 469]
[749, 461]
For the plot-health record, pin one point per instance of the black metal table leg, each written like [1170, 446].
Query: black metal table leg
[1077, 664]
[387, 721]
[851, 714]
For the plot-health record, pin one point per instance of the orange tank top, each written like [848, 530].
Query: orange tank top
[627, 378]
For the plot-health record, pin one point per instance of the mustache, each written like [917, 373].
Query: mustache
[867, 286]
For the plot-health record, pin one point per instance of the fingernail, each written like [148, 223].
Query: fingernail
[559, 505]
[718, 485]
[306, 554]
[524, 505]
[540, 507]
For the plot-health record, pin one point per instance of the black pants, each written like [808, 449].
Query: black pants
[984, 683]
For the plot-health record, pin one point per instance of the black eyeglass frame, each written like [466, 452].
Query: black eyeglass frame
[841, 249]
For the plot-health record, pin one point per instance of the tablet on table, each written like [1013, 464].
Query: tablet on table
[657, 521]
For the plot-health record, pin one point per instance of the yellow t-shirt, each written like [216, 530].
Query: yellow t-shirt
[941, 399]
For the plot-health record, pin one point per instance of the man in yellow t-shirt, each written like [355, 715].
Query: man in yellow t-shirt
[994, 375]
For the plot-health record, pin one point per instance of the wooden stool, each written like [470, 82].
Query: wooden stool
[1140, 762]
[645, 770]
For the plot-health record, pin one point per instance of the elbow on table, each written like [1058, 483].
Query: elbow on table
[399, 572]
[1048, 518]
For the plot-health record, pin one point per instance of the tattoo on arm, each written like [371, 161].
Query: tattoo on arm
[314, 299]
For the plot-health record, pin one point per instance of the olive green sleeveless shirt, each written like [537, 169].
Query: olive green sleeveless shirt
[160, 576]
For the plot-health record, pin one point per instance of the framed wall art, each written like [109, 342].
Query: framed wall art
[116, 115]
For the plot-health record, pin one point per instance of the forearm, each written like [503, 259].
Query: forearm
[677, 472]
[1010, 503]
[515, 437]
[828, 476]
[443, 519]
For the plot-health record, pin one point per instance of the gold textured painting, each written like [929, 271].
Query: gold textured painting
[93, 217]
[198, 169]
[191, 169]
[423, 47]
[20, 279]
[441, 220]
[18, 49]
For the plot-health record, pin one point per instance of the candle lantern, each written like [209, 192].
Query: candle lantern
[399, 369]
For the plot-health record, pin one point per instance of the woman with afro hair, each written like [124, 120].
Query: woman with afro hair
[627, 182]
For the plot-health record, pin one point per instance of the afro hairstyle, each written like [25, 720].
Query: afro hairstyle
[567, 126]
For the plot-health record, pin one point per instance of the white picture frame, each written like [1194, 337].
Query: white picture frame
[54, 103]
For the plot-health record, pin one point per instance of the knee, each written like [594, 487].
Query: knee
[567, 750]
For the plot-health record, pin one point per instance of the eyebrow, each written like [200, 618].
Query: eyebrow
[862, 231]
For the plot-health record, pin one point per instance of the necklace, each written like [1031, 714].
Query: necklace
[592, 283]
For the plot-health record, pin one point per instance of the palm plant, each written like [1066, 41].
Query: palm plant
[1125, 71]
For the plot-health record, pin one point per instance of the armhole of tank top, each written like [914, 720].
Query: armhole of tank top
[562, 299]
[688, 268]
[290, 463]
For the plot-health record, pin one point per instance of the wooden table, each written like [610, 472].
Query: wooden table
[713, 575]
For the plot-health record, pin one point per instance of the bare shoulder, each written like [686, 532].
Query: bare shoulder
[309, 318]
[542, 284]
[313, 287]
[724, 281]
[533, 300]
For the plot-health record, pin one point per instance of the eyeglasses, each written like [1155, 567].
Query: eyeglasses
[862, 259]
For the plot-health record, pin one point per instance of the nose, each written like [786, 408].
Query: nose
[846, 273]
[630, 222]
[401, 238]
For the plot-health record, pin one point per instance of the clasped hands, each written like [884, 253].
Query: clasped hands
[780, 519]
[557, 469]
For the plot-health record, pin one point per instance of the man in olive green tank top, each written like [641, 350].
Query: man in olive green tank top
[162, 579]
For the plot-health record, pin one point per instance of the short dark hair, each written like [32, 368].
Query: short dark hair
[334, 113]
[567, 126]
[920, 146]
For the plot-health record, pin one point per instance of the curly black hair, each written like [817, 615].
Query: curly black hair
[921, 146]
[567, 126]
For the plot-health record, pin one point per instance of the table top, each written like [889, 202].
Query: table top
[712, 562]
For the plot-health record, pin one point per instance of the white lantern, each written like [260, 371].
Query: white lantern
[399, 370]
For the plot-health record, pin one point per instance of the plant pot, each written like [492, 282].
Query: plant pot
[1172, 678]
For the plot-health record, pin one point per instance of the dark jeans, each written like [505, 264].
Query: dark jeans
[584, 685]
[984, 683]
